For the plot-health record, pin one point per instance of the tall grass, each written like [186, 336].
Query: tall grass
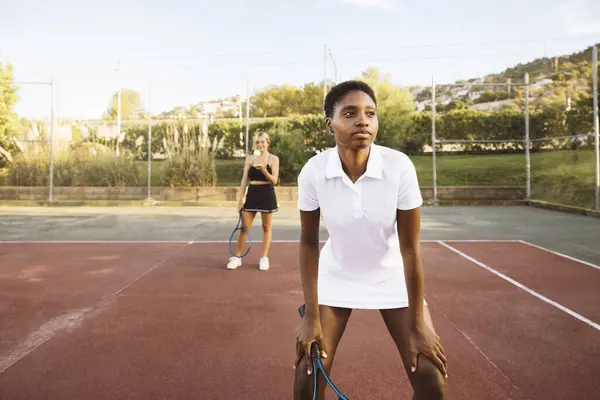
[190, 158]
[86, 164]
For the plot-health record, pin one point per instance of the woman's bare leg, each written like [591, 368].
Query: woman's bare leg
[427, 381]
[267, 233]
[247, 219]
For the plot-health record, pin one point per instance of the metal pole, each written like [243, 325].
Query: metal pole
[335, 71]
[118, 120]
[241, 118]
[433, 137]
[149, 137]
[247, 112]
[118, 109]
[324, 72]
[596, 128]
[527, 142]
[51, 177]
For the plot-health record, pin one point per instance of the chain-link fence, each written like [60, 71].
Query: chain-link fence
[533, 139]
[563, 115]
[477, 131]
[505, 137]
[27, 155]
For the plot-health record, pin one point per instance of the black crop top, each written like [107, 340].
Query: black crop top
[254, 173]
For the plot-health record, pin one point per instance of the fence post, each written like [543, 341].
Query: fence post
[433, 137]
[596, 133]
[149, 138]
[51, 177]
[247, 112]
[527, 142]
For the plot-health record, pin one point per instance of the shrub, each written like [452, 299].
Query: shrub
[80, 165]
[190, 160]
[291, 149]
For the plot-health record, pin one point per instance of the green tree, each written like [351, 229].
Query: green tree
[312, 99]
[287, 100]
[395, 107]
[8, 99]
[131, 105]
[8, 117]
[276, 101]
[490, 95]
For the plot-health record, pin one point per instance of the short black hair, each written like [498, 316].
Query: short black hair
[340, 90]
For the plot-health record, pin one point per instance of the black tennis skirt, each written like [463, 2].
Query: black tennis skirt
[261, 198]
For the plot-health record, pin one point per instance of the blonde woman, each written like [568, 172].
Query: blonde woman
[261, 173]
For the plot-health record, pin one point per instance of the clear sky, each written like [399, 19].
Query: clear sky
[201, 50]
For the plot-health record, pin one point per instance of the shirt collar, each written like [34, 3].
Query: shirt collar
[374, 164]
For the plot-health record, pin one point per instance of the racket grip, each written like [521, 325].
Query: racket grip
[301, 310]
[314, 351]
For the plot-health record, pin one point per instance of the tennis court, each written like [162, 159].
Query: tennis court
[137, 303]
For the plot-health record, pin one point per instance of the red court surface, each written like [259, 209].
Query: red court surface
[168, 321]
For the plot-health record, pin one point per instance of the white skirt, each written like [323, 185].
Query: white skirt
[337, 291]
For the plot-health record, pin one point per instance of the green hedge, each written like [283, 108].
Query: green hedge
[408, 133]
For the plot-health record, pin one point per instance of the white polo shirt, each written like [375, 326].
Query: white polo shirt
[360, 217]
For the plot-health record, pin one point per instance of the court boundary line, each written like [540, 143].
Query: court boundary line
[523, 287]
[225, 241]
[589, 264]
[81, 317]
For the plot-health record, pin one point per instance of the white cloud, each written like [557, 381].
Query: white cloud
[381, 4]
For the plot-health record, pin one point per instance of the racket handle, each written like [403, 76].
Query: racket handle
[301, 310]
[314, 351]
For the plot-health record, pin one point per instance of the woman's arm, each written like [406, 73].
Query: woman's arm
[309, 261]
[310, 330]
[423, 339]
[274, 168]
[409, 232]
[310, 216]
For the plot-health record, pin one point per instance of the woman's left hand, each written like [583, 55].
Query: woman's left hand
[425, 341]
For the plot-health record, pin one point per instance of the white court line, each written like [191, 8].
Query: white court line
[101, 242]
[214, 241]
[561, 254]
[523, 287]
[81, 221]
[475, 240]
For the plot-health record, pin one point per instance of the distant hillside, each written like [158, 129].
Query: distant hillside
[565, 87]
[542, 66]
[561, 90]
[220, 108]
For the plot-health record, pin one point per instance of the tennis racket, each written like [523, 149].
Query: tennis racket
[318, 366]
[235, 235]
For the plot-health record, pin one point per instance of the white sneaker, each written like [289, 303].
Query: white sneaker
[234, 262]
[263, 265]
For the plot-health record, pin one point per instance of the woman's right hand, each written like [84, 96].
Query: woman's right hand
[308, 332]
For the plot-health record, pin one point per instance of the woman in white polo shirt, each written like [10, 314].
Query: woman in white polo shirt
[369, 198]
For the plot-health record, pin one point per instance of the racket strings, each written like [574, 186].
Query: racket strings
[233, 239]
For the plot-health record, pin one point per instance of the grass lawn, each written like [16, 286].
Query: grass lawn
[472, 170]
[565, 177]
